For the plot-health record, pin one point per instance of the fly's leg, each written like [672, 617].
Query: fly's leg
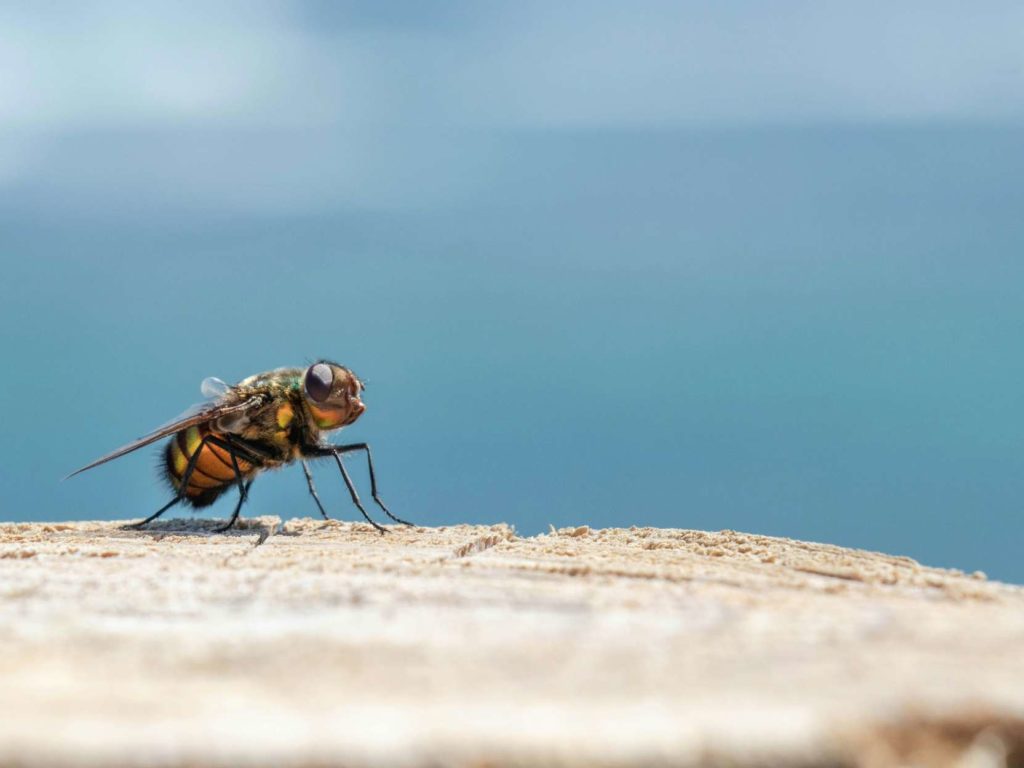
[330, 450]
[155, 515]
[243, 487]
[186, 476]
[339, 449]
[242, 496]
[335, 451]
[312, 489]
[228, 445]
[353, 494]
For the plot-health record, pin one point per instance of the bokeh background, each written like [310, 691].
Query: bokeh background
[710, 265]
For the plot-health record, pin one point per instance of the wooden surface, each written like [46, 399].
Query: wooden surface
[312, 643]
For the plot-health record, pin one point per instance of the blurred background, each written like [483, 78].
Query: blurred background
[706, 265]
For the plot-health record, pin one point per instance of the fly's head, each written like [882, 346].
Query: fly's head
[332, 394]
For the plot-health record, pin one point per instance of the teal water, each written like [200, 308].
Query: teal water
[806, 332]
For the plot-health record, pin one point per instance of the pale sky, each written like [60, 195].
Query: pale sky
[109, 64]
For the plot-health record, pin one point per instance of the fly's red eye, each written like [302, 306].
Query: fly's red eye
[319, 379]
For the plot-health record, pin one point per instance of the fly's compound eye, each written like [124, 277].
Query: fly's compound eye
[319, 379]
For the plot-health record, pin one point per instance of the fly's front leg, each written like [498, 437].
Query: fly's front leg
[353, 494]
[352, 447]
[324, 451]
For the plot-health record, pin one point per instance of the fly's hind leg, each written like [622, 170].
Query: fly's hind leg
[185, 477]
[155, 515]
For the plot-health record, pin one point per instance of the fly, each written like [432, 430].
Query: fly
[264, 422]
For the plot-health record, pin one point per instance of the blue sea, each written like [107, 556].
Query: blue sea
[811, 331]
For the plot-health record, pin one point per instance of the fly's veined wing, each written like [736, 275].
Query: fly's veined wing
[196, 415]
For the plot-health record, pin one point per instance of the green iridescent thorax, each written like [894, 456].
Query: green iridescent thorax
[278, 381]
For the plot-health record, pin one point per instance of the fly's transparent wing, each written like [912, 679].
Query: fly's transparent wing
[198, 414]
[213, 387]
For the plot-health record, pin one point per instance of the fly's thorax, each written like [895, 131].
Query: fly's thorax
[279, 379]
[331, 395]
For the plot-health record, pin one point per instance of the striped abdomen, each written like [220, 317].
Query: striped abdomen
[213, 472]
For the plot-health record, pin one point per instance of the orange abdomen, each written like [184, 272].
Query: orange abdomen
[213, 472]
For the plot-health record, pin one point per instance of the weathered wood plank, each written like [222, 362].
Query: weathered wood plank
[311, 643]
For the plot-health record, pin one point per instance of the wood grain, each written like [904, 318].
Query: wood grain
[310, 643]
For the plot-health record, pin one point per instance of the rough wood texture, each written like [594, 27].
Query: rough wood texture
[312, 643]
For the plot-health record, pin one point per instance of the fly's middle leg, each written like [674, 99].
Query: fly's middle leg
[312, 489]
[228, 445]
[242, 496]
